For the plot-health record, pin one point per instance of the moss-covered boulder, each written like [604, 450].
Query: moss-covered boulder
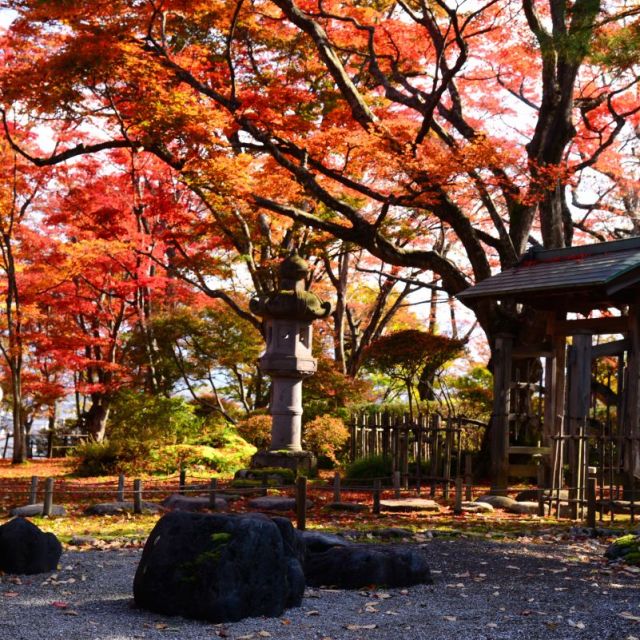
[626, 548]
[220, 568]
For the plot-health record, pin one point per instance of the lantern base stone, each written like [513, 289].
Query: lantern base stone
[300, 462]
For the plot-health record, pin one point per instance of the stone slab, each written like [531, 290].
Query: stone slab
[178, 502]
[30, 510]
[409, 504]
[275, 503]
[116, 507]
[476, 507]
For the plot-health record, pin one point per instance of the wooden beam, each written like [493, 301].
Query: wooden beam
[499, 420]
[613, 324]
[615, 348]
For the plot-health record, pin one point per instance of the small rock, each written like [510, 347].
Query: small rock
[25, 549]
[528, 508]
[625, 548]
[347, 506]
[319, 542]
[178, 502]
[476, 507]
[409, 504]
[81, 541]
[115, 508]
[30, 510]
[497, 502]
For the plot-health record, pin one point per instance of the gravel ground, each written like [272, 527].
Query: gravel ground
[483, 589]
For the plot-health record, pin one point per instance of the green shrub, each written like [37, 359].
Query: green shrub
[326, 437]
[98, 458]
[256, 430]
[369, 468]
[153, 419]
[236, 455]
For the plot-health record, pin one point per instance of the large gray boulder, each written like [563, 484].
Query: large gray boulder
[360, 565]
[220, 567]
[24, 548]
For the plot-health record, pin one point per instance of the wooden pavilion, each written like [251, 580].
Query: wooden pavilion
[577, 417]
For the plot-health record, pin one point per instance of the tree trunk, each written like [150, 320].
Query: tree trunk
[95, 420]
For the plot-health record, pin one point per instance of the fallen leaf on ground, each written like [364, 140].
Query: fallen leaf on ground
[358, 627]
[629, 616]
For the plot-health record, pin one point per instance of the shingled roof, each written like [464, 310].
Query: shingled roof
[595, 275]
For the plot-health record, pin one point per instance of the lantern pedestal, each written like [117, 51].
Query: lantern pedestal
[300, 462]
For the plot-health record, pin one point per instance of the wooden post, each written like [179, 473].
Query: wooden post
[468, 477]
[591, 497]
[418, 456]
[301, 503]
[396, 484]
[183, 479]
[33, 491]
[213, 485]
[405, 452]
[631, 462]
[579, 397]
[265, 484]
[457, 509]
[377, 485]
[541, 487]
[48, 497]
[353, 428]
[502, 357]
[337, 494]
[137, 496]
[435, 451]
[120, 495]
[447, 457]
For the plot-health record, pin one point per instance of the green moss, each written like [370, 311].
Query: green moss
[627, 541]
[220, 538]
[191, 570]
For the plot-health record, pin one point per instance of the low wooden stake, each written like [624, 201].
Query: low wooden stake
[183, 480]
[377, 486]
[213, 485]
[396, 484]
[468, 477]
[591, 497]
[120, 495]
[47, 505]
[337, 493]
[301, 503]
[457, 507]
[137, 496]
[33, 491]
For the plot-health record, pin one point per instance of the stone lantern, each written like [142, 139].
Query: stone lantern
[288, 314]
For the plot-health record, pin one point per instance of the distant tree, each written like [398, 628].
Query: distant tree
[410, 356]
